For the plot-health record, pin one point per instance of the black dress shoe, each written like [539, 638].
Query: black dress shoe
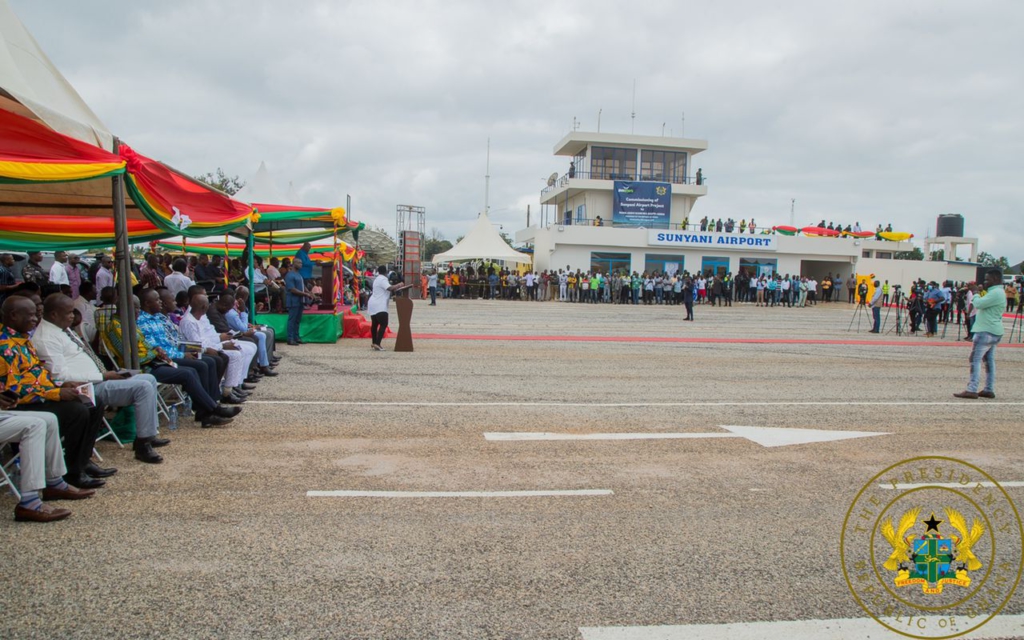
[293, 343]
[301, 341]
[232, 399]
[266, 371]
[248, 386]
[214, 421]
[159, 442]
[144, 451]
[97, 471]
[250, 382]
[227, 412]
[83, 481]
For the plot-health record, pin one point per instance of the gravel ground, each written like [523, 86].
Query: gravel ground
[221, 541]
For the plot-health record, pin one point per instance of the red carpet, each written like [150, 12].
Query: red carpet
[907, 342]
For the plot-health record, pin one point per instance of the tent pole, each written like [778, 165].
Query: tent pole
[252, 276]
[123, 265]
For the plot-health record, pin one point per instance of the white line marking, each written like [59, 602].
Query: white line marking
[843, 629]
[358, 403]
[519, 436]
[764, 436]
[951, 485]
[458, 494]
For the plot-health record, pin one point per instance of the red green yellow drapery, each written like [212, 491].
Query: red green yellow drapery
[32, 152]
[178, 204]
[235, 250]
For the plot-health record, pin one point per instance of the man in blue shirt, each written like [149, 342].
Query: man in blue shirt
[295, 296]
[197, 374]
[302, 262]
[226, 306]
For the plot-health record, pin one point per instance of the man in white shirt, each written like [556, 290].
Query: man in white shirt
[83, 304]
[177, 280]
[104, 275]
[563, 285]
[58, 272]
[70, 360]
[196, 327]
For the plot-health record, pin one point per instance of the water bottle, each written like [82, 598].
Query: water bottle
[188, 405]
[172, 418]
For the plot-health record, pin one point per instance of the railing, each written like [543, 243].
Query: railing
[593, 222]
[564, 179]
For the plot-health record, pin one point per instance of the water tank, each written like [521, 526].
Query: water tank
[950, 225]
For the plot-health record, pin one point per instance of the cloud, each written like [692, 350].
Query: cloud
[877, 112]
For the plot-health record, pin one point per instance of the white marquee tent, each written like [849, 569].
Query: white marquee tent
[483, 242]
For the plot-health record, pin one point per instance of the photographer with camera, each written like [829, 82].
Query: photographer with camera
[862, 292]
[988, 331]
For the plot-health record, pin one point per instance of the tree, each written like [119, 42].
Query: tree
[222, 181]
[938, 255]
[916, 254]
[434, 246]
[986, 259]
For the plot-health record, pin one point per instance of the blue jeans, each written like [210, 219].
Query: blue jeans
[433, 295]
[876, 313]
[294, 320]
[984, 350]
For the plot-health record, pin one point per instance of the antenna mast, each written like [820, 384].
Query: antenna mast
[487, 178]
[792, 212]
[632, 116]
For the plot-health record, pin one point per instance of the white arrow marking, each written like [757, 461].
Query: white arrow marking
[845, 629]
[764, 436]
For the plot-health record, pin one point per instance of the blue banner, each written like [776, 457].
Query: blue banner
[642, 204]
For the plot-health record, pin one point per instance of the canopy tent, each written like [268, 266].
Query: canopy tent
[482, 242]
[35, 88]
[31, 87]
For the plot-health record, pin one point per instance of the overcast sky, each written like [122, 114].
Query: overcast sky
[868, 111]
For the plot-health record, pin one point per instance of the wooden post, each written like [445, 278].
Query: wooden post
[123, 265]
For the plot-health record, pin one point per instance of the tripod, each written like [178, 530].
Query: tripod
[902, 317]
[1018, 326]
[861, 310]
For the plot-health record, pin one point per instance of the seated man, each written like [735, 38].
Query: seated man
[244, 342]
[42, 463]
[196, 373]
[23, 373]
[160, 366]
[87, 293]
[227, 318]
[69, 359]
[195, 327]
[242, 310]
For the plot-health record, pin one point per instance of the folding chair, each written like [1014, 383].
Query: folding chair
[6, 469]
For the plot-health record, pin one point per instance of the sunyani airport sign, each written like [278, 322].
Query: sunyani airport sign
[708, 240]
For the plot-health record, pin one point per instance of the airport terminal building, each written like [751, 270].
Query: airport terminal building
[622, 203]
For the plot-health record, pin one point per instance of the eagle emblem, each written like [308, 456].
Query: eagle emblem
[931, 559]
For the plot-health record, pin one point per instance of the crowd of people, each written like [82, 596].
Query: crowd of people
[62, 368]
[649, 287]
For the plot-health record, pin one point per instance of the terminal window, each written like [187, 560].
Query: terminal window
[759, 266]
[663, 166]
[607, 163]
[714, 265]
[605, 262]
[663, 263]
